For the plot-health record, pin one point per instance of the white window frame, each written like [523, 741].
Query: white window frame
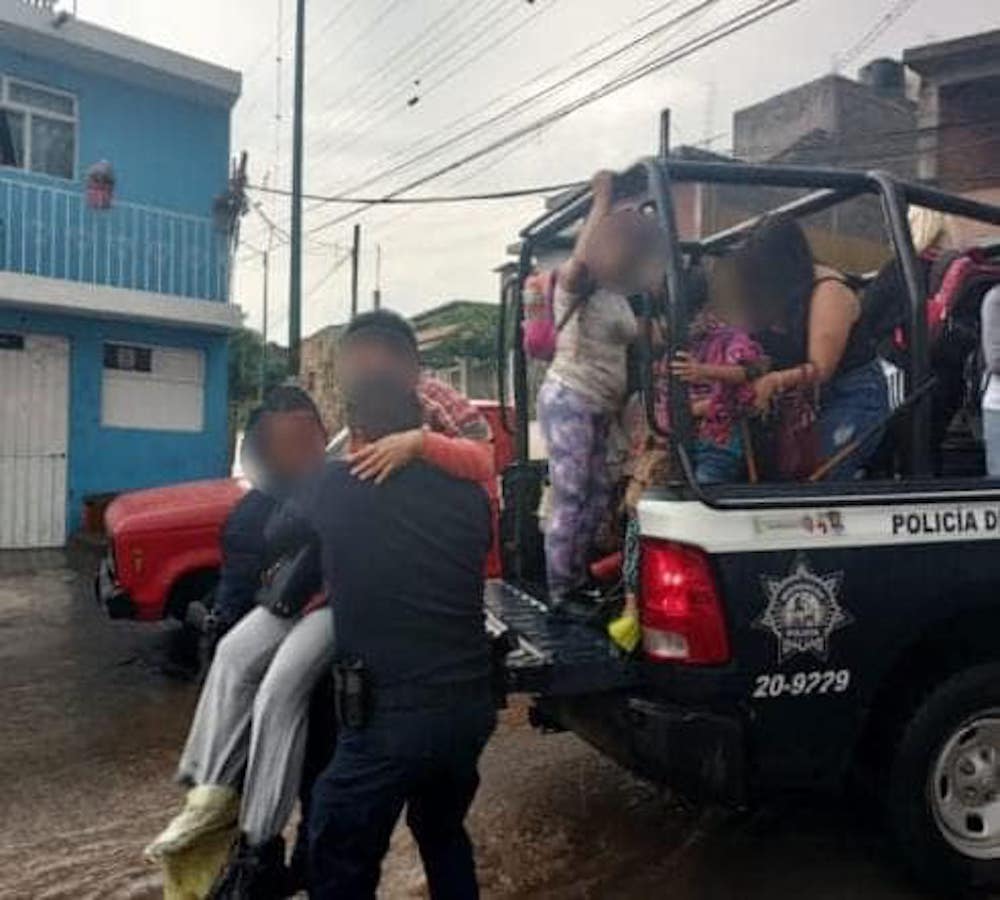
[138, 375]
[28, 111]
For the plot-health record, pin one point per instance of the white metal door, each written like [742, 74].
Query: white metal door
[34, 406]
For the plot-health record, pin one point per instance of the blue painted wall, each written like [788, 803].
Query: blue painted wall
[166, 151]
[169, 153]
[115, 459]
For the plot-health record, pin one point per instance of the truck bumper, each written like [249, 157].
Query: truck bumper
[110, 594]
[701, 754]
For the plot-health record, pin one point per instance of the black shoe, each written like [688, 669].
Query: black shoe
[582, 605]
[253, 873]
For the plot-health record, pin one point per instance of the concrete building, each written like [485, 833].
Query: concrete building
[114, 309]
[835, 121]
[959, 113]
[318, 374]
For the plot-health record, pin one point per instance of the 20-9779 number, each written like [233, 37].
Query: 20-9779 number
[802, 684]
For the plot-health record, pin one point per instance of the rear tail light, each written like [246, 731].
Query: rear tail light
[681, 610]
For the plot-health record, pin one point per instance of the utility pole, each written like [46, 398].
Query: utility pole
[295, 279]
[355, 255]
[265, 258]
[665, 133]
[377, 293]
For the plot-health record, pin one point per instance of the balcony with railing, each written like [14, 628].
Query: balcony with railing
[54, 232]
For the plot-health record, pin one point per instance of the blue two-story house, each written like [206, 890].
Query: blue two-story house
[114, 271]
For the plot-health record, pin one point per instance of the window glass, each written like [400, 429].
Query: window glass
[52, 146]
[39, 98]
[38, 130]
[153, 388]
[11, 138]
[127, 358]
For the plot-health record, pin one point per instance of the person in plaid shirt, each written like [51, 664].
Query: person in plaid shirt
[250, 726]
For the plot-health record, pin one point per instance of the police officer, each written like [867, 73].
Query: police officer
[404, 562]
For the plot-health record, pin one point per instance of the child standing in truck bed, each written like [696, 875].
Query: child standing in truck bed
[586, 383]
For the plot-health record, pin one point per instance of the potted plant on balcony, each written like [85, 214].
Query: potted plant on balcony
[100, 185]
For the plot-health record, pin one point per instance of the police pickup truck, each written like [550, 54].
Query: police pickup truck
[795, 635]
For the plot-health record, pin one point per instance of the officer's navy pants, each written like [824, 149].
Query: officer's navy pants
[425, 759]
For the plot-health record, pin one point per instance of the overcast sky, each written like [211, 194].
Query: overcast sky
[467, 60]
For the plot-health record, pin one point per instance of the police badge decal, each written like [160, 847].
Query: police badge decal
[802, 610]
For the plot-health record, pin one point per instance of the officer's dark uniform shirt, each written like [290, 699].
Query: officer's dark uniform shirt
[403, 562]
[243, 558]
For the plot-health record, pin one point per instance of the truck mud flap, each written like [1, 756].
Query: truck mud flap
[549, 656]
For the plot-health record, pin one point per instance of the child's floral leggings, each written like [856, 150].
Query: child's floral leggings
[577, 437]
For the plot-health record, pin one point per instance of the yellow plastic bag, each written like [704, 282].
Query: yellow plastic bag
[190, 873]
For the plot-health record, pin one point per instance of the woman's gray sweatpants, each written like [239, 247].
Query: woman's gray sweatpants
[251, 719]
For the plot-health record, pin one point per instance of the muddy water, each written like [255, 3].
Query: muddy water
[90, 728]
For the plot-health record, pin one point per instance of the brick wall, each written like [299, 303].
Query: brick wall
[318, 375]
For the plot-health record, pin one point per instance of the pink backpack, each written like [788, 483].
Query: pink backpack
[539, 328]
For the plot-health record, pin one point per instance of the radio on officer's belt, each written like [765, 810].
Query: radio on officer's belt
[352, 693]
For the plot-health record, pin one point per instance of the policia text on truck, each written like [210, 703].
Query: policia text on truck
[795, 634]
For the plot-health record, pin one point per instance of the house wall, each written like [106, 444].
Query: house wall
[167, 151]
[874, 131]
[318, 375]
[104, 460]
[764, 130]
[968, 145]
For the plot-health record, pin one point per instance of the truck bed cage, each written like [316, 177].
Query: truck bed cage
[652, 177]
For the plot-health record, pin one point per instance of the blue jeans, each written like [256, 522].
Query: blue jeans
[991, 437]
[422, 758]
[851, 403]
[715, 464]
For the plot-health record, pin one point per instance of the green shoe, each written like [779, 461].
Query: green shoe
[208, 808]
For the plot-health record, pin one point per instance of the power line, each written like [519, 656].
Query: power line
[513, 193]
[522, 105]
[534, 98]
[896, 11]
[337, 265]
[429, 40]
[832, 154]
[405, 201]
[423, 92]
[737, 23]
[659, 9]
[583, 51]
[360, 91]
[331, 20]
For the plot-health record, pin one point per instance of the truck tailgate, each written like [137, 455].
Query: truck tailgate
[552, 656]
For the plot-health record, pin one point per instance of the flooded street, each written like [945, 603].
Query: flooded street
[91, 729]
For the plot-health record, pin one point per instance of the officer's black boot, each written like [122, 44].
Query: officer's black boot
[253, 873]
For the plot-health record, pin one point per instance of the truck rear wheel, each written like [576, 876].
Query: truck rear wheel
[944, 783]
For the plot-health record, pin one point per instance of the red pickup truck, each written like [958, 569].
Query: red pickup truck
[163, 547]
[163, 543]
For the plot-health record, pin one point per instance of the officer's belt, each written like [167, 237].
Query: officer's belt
[408, 696]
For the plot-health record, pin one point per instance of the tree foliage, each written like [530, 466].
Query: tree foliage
[472, 333]
[246, 352]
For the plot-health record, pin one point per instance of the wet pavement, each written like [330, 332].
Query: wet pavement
[90, 729]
